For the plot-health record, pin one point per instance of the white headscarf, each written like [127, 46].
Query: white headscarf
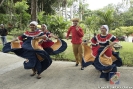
[107, 28]
[1, 25]
[34, 22]
[44, 25]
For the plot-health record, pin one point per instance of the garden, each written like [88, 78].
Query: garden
[57, 14]
[125, 52]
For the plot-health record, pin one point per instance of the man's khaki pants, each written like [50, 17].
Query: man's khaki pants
[77, 50]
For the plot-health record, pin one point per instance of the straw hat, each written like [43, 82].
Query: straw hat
[75, 19]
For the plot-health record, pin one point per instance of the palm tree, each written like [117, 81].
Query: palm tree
[106, 17]
[70, 4]
[65, 5]
[82, 9]
[91, 23]
[46, 6]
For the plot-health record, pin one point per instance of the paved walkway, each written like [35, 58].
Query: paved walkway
[60, 75]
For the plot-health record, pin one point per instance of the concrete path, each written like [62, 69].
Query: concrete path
[60, 75]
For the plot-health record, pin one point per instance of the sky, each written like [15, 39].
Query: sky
[98, 4]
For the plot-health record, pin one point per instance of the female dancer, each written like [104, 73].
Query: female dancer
[52, 48]
[101, 54]
[28, 47]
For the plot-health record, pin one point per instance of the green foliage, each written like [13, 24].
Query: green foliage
[1, 46]
[106, 17]
[21, 6]
[56, 24]
[25, 18]
[41, 17]
[15, 32]
[2, 10]
[45, 5]
[121, 31]
[127, 30]
[61, 57]
[117, 32]
[22, 18]
[127, 16]
[3, 18]
[67, 55]
[83, 26]
[16, 15]
[92, 23]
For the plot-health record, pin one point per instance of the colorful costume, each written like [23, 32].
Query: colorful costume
[104, 58]
[36, 53]
[29, 48]
[53, 48]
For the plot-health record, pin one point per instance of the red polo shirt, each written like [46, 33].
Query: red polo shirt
[76, 34]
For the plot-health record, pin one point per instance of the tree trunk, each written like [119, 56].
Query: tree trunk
[71, 12]
[34, 10]
[80, 9]
[66, 11]
[1, 2]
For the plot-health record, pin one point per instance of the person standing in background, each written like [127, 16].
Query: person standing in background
[3, 34]
[77, 34]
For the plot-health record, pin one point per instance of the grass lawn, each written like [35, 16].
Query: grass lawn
[9, 38]
[67, 55]
[126, 52]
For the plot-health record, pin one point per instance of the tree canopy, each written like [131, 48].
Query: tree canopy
[58, 13]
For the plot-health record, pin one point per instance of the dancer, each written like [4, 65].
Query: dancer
[101, 53]
[77, 34]
[52, 48]
[28, 47]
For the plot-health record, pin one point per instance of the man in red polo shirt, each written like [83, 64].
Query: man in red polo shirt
[77, 34]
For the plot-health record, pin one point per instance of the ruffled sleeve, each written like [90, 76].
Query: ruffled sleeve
[114, 39]
[22, 37]
[94, 41]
